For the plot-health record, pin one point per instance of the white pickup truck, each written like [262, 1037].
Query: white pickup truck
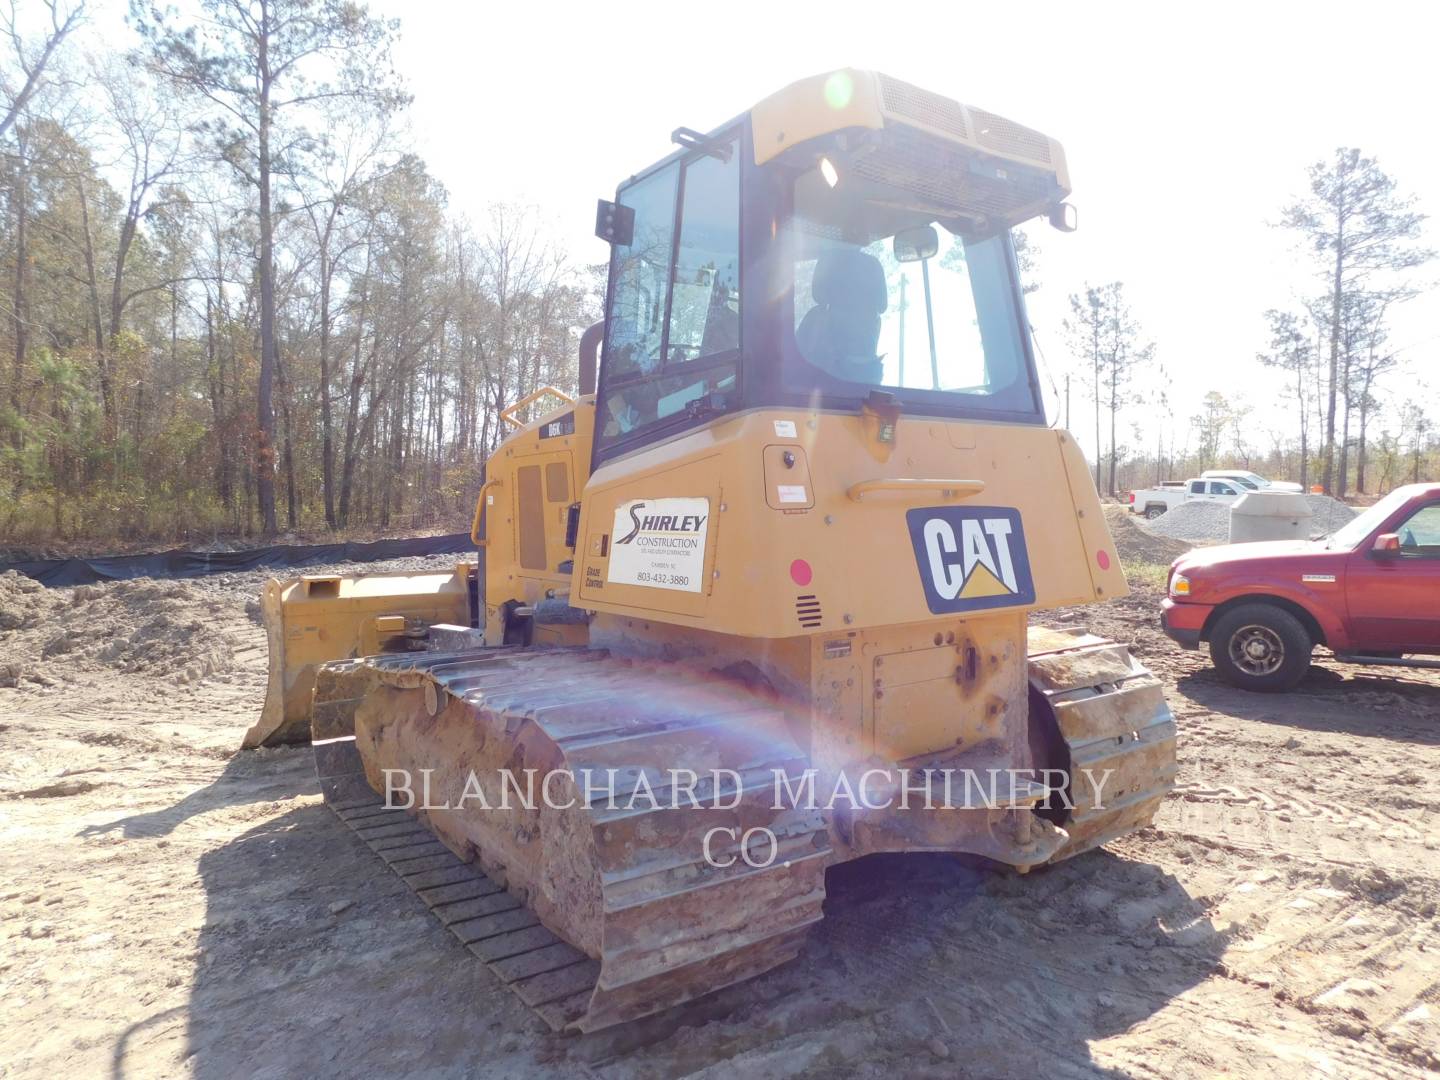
[1154, 501]
[1250, 481]
[1213, 485]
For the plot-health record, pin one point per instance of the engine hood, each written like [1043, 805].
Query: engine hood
[1258, 555]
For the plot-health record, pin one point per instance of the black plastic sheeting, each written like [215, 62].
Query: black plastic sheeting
[189, 564]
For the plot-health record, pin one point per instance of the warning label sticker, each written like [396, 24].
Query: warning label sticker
[660, 543]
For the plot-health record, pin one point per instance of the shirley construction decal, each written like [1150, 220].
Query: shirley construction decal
[660, 543]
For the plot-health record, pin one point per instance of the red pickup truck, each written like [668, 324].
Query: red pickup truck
[1369, 592]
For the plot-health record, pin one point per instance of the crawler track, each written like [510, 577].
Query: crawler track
[604, 911]
[644, 920]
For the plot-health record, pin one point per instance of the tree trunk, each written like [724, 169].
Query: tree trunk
[19, 304]
[352, 411]
[122, 252]
[1364, 428]
[287, 447]
[269, 351]
[1304, 425]
[1360, 455]
[327, 443]
[1344, 477]
[1098, 454]
[1337, 291]
[103, 371]
[216, 368]
[1114, 408]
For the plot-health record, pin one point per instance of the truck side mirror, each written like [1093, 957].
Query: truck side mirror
[1386, 545]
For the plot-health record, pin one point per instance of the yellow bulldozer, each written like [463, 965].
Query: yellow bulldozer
[771, 570]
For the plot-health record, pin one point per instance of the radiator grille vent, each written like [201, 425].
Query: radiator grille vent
[1008, 137]
[923, 107]
[947, 180]
[807, 610]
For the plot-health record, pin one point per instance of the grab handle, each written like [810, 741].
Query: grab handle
[481, 541]
[948, 489]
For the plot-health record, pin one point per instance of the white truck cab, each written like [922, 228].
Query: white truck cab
[1249, 481]
[1215, 489]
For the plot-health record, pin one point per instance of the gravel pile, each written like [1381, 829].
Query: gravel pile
[1328, 514]
[1201, 521]
[1193, 521]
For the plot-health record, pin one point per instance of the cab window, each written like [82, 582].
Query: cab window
[639, 273]
[1197, 487]
[1217, 488]
[673, 338]
[1420, 534]
[889, 296]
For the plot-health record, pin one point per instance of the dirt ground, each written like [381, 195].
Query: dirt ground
[173, 907]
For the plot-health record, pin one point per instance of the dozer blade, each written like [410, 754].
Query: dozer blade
[1118, 732]
[317, 618]
[593, 910]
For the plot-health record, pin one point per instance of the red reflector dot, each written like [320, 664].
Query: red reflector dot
[1103, 559]
[800, 572]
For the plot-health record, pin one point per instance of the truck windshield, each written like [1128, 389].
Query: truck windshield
[946, 325]
[1349, 536]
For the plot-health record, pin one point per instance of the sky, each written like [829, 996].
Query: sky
[1188, 127]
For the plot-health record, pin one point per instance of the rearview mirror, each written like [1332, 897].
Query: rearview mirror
[1386, 544]
[917, 244]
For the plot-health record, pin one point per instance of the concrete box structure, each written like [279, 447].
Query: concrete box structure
[1269, 515]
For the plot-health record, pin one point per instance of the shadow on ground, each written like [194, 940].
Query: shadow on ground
[247, 778]
[1370, 702]
[316, 960]
[1014, 976]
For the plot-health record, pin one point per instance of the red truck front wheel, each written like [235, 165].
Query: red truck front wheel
[1260, 647]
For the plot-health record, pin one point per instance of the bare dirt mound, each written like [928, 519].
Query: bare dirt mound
[1279, 919]
[1135, 545]
[161, 628]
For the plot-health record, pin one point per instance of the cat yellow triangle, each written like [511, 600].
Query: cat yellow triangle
[983, 583]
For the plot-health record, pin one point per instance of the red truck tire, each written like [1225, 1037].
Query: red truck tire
[1260, 647]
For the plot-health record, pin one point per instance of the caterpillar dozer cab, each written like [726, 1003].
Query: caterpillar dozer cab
[742, 603]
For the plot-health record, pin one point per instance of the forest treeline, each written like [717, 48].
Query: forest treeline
[1362, 238]
[233, 302]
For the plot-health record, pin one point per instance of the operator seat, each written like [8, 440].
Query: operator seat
[840, 333]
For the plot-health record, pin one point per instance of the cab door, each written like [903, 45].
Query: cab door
[1394, 599]
[1220, 491]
